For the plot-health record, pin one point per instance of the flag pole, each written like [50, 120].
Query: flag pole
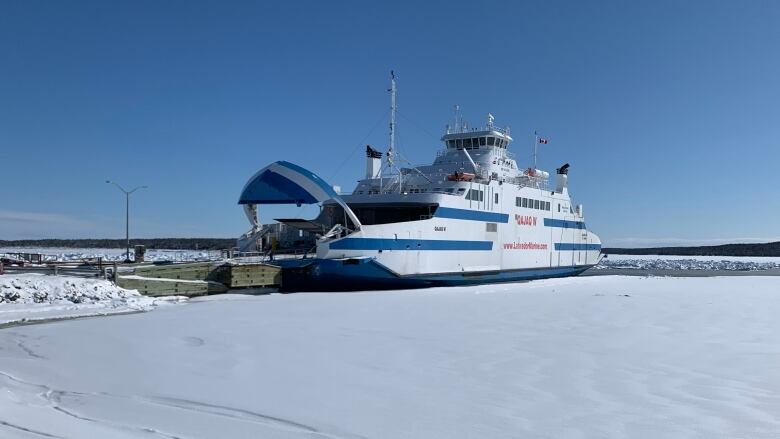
[536, 145]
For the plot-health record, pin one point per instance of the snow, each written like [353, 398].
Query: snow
[33, 297]
[113, 254]
[655, 262]
[584, 357]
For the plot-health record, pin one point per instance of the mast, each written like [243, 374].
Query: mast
[391, 148]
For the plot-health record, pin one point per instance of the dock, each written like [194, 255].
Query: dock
[199, 278]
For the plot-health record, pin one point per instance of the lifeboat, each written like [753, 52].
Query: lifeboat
[461, 176]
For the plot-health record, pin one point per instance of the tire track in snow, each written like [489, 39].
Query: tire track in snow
[242, 414]
[54, 398]
[28, 430]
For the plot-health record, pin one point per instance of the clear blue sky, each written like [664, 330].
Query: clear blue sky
[668, 111]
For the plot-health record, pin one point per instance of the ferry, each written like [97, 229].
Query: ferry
[473, 216]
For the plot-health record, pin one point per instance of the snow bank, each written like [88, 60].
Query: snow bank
[30, 297]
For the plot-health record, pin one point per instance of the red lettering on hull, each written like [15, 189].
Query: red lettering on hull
[525, 220]
[525, 246]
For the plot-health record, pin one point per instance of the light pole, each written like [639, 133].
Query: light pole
[127, 213]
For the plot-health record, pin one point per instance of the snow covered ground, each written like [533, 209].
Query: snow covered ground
[113, 254]
[655, 262]
[592, 357]
[32, 297]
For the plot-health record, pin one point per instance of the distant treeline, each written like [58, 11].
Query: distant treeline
[154, 243]
[768, 249]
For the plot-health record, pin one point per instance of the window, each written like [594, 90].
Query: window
[536, 204]
[525, 202]
[491, 227]
[467, 143]
[475, 142]
[458, 143]
[452, 189]
[559, 207]
[548, 206]
[475, 195]
[369, 214]
[482, 141]
[496, 197]
[518, 202]
[491, 141]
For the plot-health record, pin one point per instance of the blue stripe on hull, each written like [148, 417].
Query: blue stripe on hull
[408, 244]
[367, 274]
[565, 224]
[471, 215]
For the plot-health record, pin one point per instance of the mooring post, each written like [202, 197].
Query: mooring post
[113, 275]
[1, 267]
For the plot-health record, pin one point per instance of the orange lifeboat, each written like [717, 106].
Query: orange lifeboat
[461, 176]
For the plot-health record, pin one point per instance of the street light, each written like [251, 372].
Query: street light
[127, 214]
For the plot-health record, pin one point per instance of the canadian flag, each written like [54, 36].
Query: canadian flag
[543, 141]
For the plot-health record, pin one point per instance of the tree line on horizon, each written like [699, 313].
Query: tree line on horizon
[149, 243]
[765, 249]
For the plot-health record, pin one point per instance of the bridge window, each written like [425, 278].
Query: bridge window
[482, 141]
[458, 143]
[475, 195]
[491, 141]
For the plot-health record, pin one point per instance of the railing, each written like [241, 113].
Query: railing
[489, 127]
[90, 271]
[269, 256]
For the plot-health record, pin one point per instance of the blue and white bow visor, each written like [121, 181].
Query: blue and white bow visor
[287, 183]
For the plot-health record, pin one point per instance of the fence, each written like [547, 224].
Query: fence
[80, 269]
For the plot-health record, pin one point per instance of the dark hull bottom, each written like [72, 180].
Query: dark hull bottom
[367, 274]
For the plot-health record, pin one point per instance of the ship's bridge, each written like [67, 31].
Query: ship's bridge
[486, 137]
